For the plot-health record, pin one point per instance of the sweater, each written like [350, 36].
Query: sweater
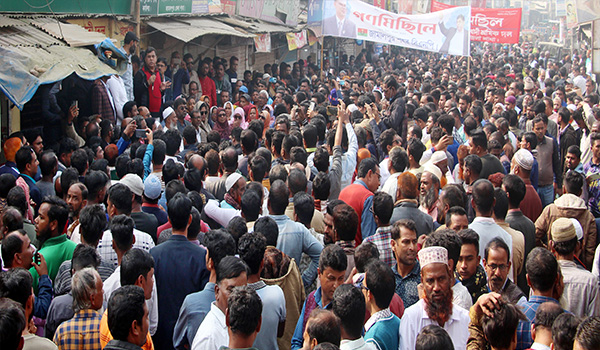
[385, 333]
[355, 196]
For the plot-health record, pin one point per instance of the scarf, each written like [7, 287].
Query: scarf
[243, 123]
[154, 93]
[229, 200]
[224, 129]
[247, 110]
[477, 284]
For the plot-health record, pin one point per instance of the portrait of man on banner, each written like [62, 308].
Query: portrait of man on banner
[457, 37]
[340, 24]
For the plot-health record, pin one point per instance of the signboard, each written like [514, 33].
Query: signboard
[296, 40]
[501, 26]
[162, 7]
[444, 31]
[114, 7]
[274, 11]
[262, 42]
[107, 26]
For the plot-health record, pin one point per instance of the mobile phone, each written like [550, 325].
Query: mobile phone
[140, 133]
[75, 103]
[369, 69]
[37, 258]
[312, 106]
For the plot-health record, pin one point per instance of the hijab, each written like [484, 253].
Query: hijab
[224, 129]
[240, 111]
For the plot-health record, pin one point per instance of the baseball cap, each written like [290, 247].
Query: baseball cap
[134, 183]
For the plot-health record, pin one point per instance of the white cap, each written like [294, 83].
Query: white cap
[431, 255]
[167, 112]
[231, 180]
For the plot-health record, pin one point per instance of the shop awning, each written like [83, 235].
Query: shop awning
[259, 26]
[73, 34]
[26, 68]
[33, 54]
[188, 29]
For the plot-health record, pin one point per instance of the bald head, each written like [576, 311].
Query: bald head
[229, 157]
[12, 220]
[197, 162]
[546, 314]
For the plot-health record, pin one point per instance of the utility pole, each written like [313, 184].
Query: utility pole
[136, 19]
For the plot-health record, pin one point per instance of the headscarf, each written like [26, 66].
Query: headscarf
[247, 109]
[229, 117]
[240, 111]
[224, 129]
[204, 125]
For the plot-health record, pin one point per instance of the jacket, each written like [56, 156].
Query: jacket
[569, 206]
[293, 289]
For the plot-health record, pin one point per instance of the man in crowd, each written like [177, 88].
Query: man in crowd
[436, 307]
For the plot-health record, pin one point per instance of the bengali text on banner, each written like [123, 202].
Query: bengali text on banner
[444, 31]
[501, 26]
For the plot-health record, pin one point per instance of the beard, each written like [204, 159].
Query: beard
[428, 198]
[439, 310]
[43, 237]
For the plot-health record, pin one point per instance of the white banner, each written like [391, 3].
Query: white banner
[444, 31]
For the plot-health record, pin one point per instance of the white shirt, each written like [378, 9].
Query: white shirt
[538, 346]
[457, 43]
[415, 318]
[461, 296]
[385, 172]
[116, 88]
[221, 215]
[348, 158]
[113, 283]
[212, 333]
[143, 241]
[391, 185]
[357, 344]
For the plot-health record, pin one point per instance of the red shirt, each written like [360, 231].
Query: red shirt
[209, 89]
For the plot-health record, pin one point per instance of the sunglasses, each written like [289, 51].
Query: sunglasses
[238, 117]
[203, 113]
[222, 114]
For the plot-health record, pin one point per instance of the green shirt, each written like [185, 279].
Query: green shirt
[55, 250]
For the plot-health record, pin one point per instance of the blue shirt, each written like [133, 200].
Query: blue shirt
[524, 339]
[179, 270]
[298, 337]
[368, 226]
[295, 239]
[406, 287]
[535, 171]
[192, 313]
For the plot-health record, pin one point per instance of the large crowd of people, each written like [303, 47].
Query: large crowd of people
[398, 200]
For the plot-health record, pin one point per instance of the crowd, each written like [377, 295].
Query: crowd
[401, 200]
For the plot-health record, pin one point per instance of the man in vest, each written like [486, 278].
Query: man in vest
[332, 269]
[359, 196]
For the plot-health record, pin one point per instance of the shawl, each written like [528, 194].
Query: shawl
[224, 129]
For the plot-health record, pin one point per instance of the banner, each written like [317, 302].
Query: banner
[444, 31]
[297, 40]
[262, 42]
[274, 11]
[501, 26]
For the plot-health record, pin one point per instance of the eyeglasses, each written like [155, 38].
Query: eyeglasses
[495, 267]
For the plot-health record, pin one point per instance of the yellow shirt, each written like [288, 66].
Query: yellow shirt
[105, 335]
